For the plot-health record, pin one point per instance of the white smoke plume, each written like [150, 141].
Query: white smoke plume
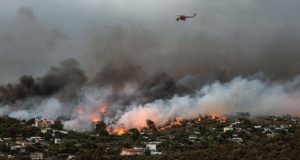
[239, 95]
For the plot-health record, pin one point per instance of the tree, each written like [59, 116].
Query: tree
[31, 121]
[135, 134]
[57, 125]
[150, 124]
[147, 152]
[101, 129]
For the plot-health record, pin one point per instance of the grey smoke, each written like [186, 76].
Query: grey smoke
[135, 56]
[239, 95]
[227, 38]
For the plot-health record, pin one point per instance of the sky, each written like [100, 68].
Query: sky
[105, 32]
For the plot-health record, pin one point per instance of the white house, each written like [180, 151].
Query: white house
[58, 141]
[152, 146]
[132, 151]
[225, 129]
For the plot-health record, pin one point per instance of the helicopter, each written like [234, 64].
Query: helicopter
[184, 17]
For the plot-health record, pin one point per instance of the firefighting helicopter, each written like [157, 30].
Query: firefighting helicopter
[184, 17]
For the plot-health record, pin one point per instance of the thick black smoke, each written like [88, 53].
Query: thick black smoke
[67, 78]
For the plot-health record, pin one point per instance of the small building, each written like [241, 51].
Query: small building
[10, 157]
[7, 139]
[36, 156]
[45, 130]
[42, 123]
[58, 141]
[70, 157]
[35, 139]
[225, 129]
[132, 151]
[152, 146]
[257, 127]
[156, 153]
[192, 138]
[15, 147]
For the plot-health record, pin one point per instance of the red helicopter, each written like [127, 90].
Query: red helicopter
[183, 17]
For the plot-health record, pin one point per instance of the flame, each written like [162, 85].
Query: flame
[214, 116]
[120, 131]
[92, 114]
[199, 119]
[220, 118]
[223, 119]
[178, 121]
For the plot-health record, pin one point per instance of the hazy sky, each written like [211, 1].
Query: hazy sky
[35, 34]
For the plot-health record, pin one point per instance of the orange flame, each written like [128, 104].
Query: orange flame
[178, 121]
[120, 131]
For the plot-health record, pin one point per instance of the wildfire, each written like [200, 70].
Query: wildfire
[214, 116]
[120, 131]
[178, 121]
[199, 119]
[92, 113]
[220, 118]
[223, 119]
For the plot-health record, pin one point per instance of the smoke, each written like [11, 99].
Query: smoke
[65, 80]
[258, 97]
[239, 95]
[225, 40]
[132, 62]
[26, 43]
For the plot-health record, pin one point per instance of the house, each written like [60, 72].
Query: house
[45, 130]
[58, 141]
[15, 147]
[225, 129]
[10, 157]
[156, 153]
[132, 151]
[35, 139]
[192, 138]
[70, 157]
[63, 132]
[234, 124]
[42, 123]
[7, 139]
[36, 156]
[152, 146]
[270, 135]
[257, 127]
[235, 135]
